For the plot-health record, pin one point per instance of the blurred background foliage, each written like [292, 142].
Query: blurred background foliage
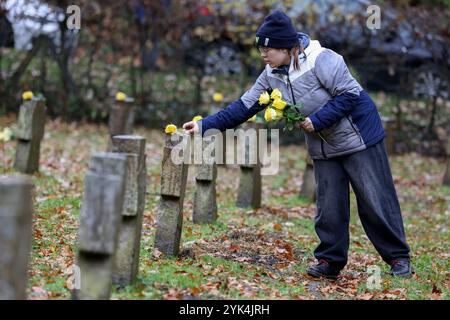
[172, 56]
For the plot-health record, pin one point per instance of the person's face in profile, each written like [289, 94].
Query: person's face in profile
[274, 57]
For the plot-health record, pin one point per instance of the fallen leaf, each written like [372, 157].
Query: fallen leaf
[277, 227]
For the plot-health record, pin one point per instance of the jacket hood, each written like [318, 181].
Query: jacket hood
[303, 39]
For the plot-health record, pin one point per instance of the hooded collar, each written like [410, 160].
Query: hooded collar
[304, 39]
[313, 46]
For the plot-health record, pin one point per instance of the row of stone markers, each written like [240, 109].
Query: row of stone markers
[111, 218]
[16, 205]
[112, 211]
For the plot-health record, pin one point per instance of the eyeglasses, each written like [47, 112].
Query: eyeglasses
[264, 50]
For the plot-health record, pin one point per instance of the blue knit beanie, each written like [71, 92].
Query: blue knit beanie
[277, 31]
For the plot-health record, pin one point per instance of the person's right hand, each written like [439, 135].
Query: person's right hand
[307, 125]
[191, 127]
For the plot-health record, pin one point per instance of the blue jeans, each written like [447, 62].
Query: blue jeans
[369, 174]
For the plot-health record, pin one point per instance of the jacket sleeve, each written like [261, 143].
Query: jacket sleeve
[239, 111]
[334, 76]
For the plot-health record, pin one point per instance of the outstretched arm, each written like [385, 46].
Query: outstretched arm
[234, 114]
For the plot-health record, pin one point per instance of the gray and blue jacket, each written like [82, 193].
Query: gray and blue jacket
[337, 105]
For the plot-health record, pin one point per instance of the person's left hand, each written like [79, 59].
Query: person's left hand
[307, 125]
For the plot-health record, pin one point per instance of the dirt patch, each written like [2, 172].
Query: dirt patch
[252, 246]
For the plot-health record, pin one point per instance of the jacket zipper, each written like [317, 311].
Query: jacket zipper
[292, 90]
[293, 99]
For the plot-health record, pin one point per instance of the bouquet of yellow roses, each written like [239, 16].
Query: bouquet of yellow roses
[278, 109]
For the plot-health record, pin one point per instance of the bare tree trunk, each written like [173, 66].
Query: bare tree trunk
[133, 79]
[89, 67]
[433, 115]
[43, 73]
[11, 84]
[14, 79]
[398, 112]
[69, 85]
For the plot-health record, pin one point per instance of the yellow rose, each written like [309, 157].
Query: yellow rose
[120, 96]
[279, 104]
[217, 97]
[7, 134]
[252, 119]
[171, 128]
[264, 98]
[270, 114]
[276, 94]
[197, 118]
[27, 95]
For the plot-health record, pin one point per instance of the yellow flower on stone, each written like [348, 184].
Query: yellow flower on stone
[120, 96]
[217, 97]
[264, 98]
[171, 128]
[279, 104]
[197, 118]
[27, 95]
[272, 114]
[7, 134]
[276, 94]
[252, 119]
